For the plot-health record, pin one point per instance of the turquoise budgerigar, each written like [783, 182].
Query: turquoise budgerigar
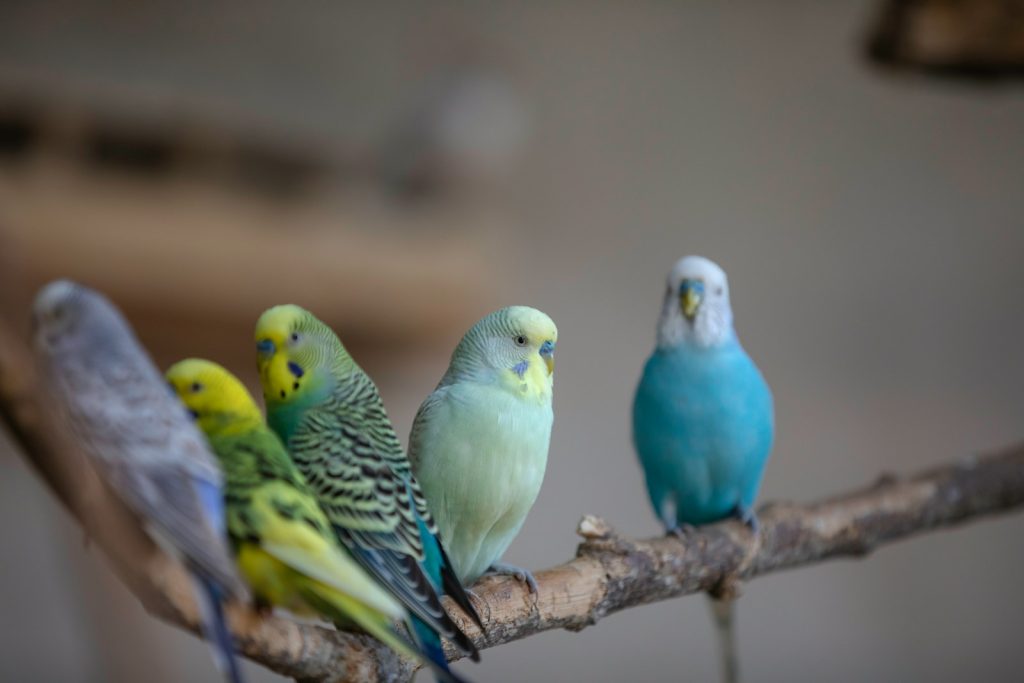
[479, 443]
[703, 420]
[332, 420]
[141, 440]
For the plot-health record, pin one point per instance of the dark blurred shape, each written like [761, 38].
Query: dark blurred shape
[139, 151]
[973, 39]
[279, 173]
[18, 133]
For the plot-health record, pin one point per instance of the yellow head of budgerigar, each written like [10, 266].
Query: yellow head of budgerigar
[218, 401]
[530, 351]
[293, 350]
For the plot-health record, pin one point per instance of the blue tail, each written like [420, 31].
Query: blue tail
[430, 645]
[215, 629]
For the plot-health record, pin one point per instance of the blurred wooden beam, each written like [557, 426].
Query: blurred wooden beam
[187, 259]
[982, 39]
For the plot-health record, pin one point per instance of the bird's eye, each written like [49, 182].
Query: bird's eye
[718, 291]
[295, 336]
[196, 387]
[520, 340]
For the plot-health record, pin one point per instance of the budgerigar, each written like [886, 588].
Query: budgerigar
[141, 440]
[283, 543]
[332, 420]
[479, 444]
[703, 420]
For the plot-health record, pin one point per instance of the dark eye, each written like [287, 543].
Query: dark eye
[295, 336]
[520, 340]
[196, 387]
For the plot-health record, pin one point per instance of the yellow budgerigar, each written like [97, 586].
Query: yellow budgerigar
[282, 540]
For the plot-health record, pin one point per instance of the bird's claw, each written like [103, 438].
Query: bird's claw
[681, 531]
[518, 573]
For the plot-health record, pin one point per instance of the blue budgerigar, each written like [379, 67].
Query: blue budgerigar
[703, 421]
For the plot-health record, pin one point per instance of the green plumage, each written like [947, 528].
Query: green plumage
[282, 541]
[479, 444]
[338, 433]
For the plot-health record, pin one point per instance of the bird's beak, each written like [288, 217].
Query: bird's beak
[547, 352]
[691, 294]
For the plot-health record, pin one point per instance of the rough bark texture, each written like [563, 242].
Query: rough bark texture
[609, 573]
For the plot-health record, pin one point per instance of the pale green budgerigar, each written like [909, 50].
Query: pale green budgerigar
[479, 444]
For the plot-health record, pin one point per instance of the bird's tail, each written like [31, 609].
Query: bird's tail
[429, 643]
[346, 610]
[723, 611]
[215, 629]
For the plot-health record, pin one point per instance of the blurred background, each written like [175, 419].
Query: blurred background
[404, 168]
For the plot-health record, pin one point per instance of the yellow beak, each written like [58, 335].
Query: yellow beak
[550, 362]
[689, 301]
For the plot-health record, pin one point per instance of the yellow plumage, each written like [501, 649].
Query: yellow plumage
[283, 543]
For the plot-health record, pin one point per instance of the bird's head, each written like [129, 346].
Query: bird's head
[218, 401]
[696, 309]
[69, 317]
[517, 343]
[296, 354]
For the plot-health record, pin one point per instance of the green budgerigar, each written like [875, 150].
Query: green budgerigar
[479, 444]
[332, 420]
[283, 543]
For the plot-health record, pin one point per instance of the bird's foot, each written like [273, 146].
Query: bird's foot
[262, 608]
[518, 573]
[681, 531]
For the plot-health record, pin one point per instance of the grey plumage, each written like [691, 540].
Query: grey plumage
[135, 430]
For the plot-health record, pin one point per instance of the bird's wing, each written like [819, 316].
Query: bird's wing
[374, 509]
[154, 458]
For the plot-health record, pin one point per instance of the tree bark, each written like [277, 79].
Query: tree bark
[609, 573]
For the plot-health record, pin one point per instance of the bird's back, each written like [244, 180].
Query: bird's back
[150, 452]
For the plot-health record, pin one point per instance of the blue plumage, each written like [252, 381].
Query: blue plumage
[703, 421]
[703, 429]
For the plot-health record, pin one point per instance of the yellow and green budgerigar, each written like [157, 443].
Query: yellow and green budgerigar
[479, 444]
[282, 540]
[332, 420]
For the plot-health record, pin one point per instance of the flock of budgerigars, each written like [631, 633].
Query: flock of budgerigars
[318, 510]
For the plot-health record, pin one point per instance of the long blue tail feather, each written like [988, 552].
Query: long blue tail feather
[429, 643]
[215, 629]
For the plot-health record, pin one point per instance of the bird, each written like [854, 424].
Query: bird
[479, 442]
[140, 441]
[703, 417]
[331, 418]
[283, 544]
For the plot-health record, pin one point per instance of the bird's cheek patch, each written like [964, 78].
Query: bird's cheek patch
[279, 379]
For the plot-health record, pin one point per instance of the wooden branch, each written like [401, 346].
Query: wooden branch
[609, 573]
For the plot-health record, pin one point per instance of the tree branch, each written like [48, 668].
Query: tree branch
[609, 573]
